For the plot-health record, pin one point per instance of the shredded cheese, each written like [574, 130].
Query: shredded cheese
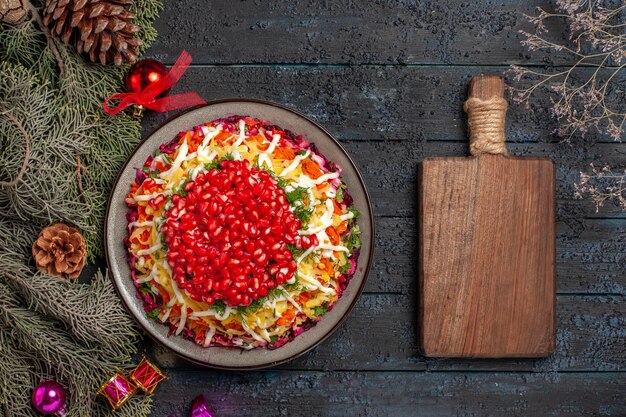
[180, 157]
[257, 328]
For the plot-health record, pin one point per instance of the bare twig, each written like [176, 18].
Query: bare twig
[26, 137]
[603, 185]
[79, 177]
[50, 39]
[597, 40]
[592, 101]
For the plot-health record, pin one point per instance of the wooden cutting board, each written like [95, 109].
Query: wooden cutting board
[487, 251]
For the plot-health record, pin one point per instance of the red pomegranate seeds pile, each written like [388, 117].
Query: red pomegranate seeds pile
[228, 236]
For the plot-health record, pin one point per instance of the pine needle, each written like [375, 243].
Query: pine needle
[57, 164]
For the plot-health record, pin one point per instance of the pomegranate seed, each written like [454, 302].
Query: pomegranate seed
[230, 242]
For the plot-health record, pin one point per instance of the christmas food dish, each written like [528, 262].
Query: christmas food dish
[240, 234]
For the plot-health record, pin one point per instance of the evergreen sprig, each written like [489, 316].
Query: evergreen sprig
[59, 153]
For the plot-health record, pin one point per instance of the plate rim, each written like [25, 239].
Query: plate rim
[318, 341]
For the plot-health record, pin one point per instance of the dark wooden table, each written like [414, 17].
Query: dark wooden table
[388, 79]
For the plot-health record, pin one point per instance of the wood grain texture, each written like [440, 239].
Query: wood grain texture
[487, 257]
[487, 246]
[365, 103]
[589, 340]
[350, 32]
[404, 105]
[397, 394]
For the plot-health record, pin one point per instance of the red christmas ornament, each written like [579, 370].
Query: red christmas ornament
[146, 376]
[117, 390]
[148, 83]
[141, 75]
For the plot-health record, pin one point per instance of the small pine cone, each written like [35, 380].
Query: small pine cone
[101, 29]
[60, 250]
[13, 11]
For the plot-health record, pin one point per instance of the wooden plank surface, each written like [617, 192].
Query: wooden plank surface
[400, 103]
[591, 256]
[398, 394]
[388, 80]
[587, 340]
[349, 32]
[487, 255]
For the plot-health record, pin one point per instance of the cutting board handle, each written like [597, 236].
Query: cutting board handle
[486, 115]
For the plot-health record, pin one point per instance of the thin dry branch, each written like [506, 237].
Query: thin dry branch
[587, 95]
[26, 137]
[79, 180]
[52, 45]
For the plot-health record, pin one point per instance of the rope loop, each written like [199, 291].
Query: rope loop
[486, 119]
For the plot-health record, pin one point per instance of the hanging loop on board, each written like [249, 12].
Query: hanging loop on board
[486, 115]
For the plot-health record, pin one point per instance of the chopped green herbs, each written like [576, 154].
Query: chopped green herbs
[355, 212]
[295, 286]
[296, 195]
[214, 164]
[219, 306]
[258, 303]
[252, 308]
[145, 288]
[320, 310]
[339, 196]
[303, 214]
[281, 182]
[345, 267]
[154, 314]
[180, 189]
[353, 240]
[295, 251]
[274, 339]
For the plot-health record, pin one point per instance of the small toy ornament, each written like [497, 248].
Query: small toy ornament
[146, 376]
[141, 75]
[147, 83]
[49, 398]
[199, 408]
[117, 390]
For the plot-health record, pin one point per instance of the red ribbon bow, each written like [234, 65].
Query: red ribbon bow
[147, 97]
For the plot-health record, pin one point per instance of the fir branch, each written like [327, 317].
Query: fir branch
[52, 43]
[16, 380]
[17, 237]
[41, 341]
[92, 313]
[57, 164]
[79, 181]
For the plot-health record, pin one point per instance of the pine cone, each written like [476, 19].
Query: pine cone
[13, 11]
[60, 250]
[101, 29]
